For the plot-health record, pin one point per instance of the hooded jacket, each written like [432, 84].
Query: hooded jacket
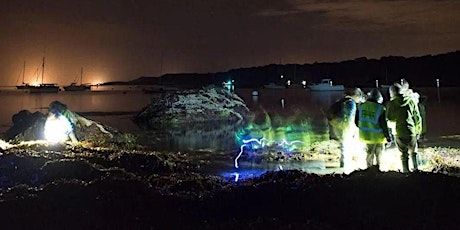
[405, 113]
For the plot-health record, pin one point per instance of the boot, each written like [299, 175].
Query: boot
[414, 162]
[342, 160]
[405, 166]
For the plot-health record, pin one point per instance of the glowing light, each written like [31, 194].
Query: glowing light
[287, 143]
[237, 176]
[57, 129]
[255, 143]
[286, 136]
[239, 155]
[354, 153]
[245, 143]
[229, 85]
[391, 160]
[242, 174]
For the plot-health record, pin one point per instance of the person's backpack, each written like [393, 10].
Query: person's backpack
[335, 111]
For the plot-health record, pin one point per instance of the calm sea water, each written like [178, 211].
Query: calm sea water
[116, 107]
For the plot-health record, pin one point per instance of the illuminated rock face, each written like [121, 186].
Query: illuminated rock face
[186, 107]
[27, 125]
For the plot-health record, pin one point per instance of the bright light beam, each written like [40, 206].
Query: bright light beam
[57, 129]
[239, 155]
[261, 142]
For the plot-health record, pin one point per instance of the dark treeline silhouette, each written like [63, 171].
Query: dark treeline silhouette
[419, 71]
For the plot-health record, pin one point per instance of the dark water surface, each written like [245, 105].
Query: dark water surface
[217, 142]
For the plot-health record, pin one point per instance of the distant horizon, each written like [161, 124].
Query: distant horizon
[249, 67]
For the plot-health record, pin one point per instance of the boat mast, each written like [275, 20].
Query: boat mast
[43, 68]
[81, 76]
[23, 72]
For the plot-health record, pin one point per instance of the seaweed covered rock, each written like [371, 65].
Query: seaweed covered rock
[22, 121]
[29, 126]
[193, 106]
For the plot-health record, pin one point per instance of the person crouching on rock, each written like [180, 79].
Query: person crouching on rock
[59, 127]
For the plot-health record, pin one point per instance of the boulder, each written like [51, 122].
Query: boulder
[29, 126]
[193, 106]
[22, 121]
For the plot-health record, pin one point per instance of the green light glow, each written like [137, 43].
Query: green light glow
[295, 133]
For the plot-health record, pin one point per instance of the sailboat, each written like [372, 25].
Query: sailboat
[74, 87]
[44, 87]
[23, 86]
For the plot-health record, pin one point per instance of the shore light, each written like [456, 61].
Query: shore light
[57, 128]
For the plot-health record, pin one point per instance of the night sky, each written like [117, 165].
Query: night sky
[125, 39]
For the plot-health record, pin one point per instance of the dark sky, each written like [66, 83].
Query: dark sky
[124, 39]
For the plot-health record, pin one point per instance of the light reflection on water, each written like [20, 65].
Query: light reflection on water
[248, 170]
[217, 143]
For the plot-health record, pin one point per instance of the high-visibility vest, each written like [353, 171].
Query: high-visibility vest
[369, 128]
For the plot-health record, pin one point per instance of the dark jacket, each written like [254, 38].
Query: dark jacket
[405, 113]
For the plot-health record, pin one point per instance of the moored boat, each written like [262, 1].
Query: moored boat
[74, 87]
[44, 88]
[326, 85]
[23, 86]
[159, 89]
[272, 85]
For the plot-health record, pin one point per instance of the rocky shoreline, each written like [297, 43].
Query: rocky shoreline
[78, 187]
[107, 181]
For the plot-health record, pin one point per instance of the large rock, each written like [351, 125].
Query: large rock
[22, 121]
[194, 106]
[29, 126]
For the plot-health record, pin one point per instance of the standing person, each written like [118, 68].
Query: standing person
[422, 109]
[403, 112]
[341, 116]
[372, 125]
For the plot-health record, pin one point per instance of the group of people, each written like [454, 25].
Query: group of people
[400, 120]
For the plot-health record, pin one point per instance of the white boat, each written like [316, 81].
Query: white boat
[383, 86]
[272, 85]
[326, 85]
[74, 87]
